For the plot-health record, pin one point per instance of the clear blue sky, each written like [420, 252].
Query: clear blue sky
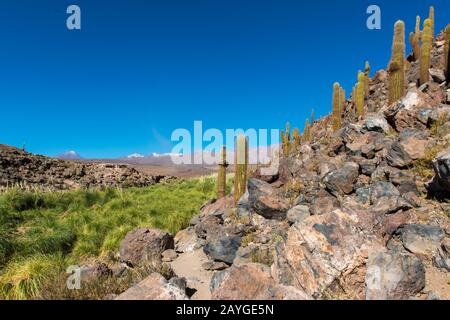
[139, 69]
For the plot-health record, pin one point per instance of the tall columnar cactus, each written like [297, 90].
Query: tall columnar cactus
[312, 117]
[341, 101]
[222, 174]
[354, 95]
[336, 109]
[447, 53]
[397, 64]
[296, 139]
[431, 17]
[360, 94]
[414, 39]
[367, 79]
[240, 167]
[425, 53]
[307, 132]
[286, 140]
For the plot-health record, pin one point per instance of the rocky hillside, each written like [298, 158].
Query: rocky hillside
[20, 168]
[360, 212]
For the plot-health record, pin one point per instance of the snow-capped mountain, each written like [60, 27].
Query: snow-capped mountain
[135, 156]
[69, 155]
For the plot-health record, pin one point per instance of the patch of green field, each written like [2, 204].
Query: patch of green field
[43, 232]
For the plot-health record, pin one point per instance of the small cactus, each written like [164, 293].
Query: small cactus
[396, 68]
[336, 108]
[296, 139]
[367, 79]
[307, 132]
[431, 17]
[447, 53]
[360, 94]
[286, 140]
[425, 53]
[240, 167]
[222, 174]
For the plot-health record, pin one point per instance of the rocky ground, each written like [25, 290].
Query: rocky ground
[361, 213]
[23, 169]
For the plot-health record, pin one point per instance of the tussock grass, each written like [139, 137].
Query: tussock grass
[42, 232]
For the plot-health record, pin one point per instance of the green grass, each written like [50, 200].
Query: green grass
[43, 232]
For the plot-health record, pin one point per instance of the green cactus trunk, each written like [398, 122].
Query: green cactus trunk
[367, 79]
[425, 53]
[307, 132]
[296, 139]
[447, 53]
[397, 64]
[222, 174]
[240, 167]
[286, 140]
[415, 40]
[360, 94]
[336, 109]
[431, 17]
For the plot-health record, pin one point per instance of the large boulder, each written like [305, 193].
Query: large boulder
[376, 123]
[251, 282]
[266, 200]
[411, 146]
[422, 239]
[223, 248]
[393, 276]
[324, 249]
[441, 165]
[341, 181]
[154, 287]
[142, 246]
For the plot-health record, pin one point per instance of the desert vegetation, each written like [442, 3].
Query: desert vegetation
[41, 233]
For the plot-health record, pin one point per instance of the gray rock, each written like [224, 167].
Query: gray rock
[393, 276]
[154, 287]
[441, 166]
[341, 181]
[422, 239]
[142, 246]
[223, 248]
[298, 213]
[437, 75]
[266, 200]
[383, 189]
[363, 195]
[376, 123]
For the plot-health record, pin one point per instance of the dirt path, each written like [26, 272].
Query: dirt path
[189, 266]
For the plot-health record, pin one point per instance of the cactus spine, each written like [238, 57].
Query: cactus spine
[336, 109]
[367, 79]
[447, 53]
[240, 167]
[425, 52]
[397, 64]
[360, 94]
[222, 174]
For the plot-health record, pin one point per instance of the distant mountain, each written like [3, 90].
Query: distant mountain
[69, 155]
[135, 156]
